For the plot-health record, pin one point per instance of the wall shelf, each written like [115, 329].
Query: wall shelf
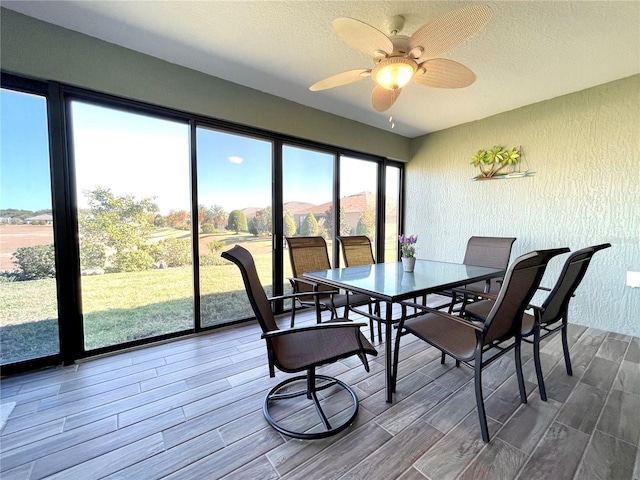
[505, 176]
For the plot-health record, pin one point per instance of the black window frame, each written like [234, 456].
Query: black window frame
[68, 281]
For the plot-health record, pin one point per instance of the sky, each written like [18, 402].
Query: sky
[24, 152]
[149, 157]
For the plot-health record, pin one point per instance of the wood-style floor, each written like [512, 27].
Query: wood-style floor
[192, 408]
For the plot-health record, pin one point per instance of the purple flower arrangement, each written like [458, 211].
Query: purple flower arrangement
[407, 245]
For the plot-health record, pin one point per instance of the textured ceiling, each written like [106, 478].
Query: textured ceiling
[528, 52]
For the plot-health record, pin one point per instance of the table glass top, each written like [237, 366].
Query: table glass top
[390, 280]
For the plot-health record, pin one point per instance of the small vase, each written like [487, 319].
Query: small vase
[408, 263]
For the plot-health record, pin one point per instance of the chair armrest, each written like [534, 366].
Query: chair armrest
[294, 280]
[315, 285]
[475, 293]
[317, 326]
[475, 325]
[295, 295]
[419, 306]
[549, 289]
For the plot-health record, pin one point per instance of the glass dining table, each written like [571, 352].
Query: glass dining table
[389, 283]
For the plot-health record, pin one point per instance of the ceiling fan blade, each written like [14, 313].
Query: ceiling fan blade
[362, 37]
[340, 79]
[449, 30]
[444, 73]
[382, 99]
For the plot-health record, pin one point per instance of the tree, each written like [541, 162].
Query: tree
[345, 228]
[159, 221]
[237, 222]
[263, 222]
[251, 227]
[179, 219]
[289, 225]
[92, 255]
[217, 216]
[367, 224]
[322, 229]
[117, 223]
[202, 213]
[309, 227]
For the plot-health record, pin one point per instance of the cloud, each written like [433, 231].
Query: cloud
[236, 160]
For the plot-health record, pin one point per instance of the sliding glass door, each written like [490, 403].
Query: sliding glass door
[28, 303]
[234, 204]
[134, 224]
[391, 213]
[307, 193]
[358, 197]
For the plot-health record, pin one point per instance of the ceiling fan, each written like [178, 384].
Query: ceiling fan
[399, 59]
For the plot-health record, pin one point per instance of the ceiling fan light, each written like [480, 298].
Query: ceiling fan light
[395, 72]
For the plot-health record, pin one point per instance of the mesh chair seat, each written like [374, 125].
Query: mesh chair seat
[340, 300]
[317, 346]
[453, 337]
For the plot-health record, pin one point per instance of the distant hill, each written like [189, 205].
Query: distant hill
[351, 204]
[297, 207]
[250, 212]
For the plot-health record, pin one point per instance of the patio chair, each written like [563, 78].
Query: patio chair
[479, 344]
[552, 315]
[493, 252]
[309, 254]
[303, 349]
[356, 251]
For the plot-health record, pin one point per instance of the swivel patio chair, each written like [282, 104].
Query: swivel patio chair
[479, 344]
[356, 251]
[552, 315]
[309, 254]
[303, 349]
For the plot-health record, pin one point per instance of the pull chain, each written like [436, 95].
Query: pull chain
[393, 94]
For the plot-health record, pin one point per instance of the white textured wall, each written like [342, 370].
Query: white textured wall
[585, 150]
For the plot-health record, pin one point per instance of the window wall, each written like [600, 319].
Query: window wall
[133, 205]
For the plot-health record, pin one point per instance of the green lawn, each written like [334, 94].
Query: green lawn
[121, 307]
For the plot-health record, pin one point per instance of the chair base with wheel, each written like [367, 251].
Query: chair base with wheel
[311, 387]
